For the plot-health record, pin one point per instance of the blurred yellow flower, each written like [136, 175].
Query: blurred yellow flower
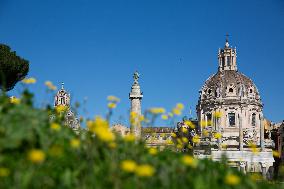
[165, 117]
[15, 100]
[36, 156]
[111, 105]
[4, 172]
[30, 80]
[276, 154]
[176, 111]
[174, 135]
[196, 139]
[153, 151]
[157, 110]
[113, 98]
[232, 179]
[55, 126]
[190, 124]
[205, 133]
[101, 129]
[184, 140]
[184, 130]
[217, 114]
[50, 85]
[218, 135]
[179, 146]
[189, 161]
[180, 106]
[128, 166]
[141, 118]
[75, 143]
[171, 114]
[253, 148]
[169, 142]
[144, 170]
[60, 108]
[129, 138]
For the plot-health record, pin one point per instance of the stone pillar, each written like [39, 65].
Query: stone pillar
[243, 166]
[261, 132]
[241, 138]
[263, 169]
[135, 97]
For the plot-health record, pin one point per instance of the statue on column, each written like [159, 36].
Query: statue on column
[136, 76]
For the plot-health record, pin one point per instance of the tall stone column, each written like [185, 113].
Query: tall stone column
[241, 132]
[135, 97]
[261, 132]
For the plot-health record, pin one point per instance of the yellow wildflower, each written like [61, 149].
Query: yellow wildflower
[50, 85]
[253, 148]
[217, 114]
[15, 100]
[224, 146]
[276, 154]
[176, 111]
[75, 143]
[169, 142]
[174, 135]
[157, 110]
[30, 80]
[55, 127]
[128, 166]
[101, 128]
[189, 161]
[165, 117]
[190, 124]
[111, 105]
[36, 156]
[144, 170]
[205, 133]
[196, 139]
[184, 130]
[180, 106]
[179, 146]
[141, 118]
[129, 138]
[171, 114]
[113, 99]
[4, 172]
[217, 135]
[232, 179]
[153, 151]
[133, 114]
[60, 108]
[184, 140]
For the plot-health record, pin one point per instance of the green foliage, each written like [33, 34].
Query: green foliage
[12, 68]
[92, 163]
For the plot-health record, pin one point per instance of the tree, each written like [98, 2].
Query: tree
[12, 68]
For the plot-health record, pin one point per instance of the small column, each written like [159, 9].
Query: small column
[241, 133]
[243, 166]
[261, 133]
[135, 97]
[263, 169]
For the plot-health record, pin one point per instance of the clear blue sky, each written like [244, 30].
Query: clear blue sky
[95, 46]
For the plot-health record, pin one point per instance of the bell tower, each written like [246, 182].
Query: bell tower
[227, 57]
[62, 98]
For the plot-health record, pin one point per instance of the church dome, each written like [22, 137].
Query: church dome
[229, 84]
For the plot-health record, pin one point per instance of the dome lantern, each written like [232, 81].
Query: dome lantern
[227, 57]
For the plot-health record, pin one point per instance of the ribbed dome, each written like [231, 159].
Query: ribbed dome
[229, 84]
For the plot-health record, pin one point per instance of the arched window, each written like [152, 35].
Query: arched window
[253, 116]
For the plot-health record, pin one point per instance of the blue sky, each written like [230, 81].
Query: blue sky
[95, 46]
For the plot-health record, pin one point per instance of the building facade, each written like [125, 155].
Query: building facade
[230, 105]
